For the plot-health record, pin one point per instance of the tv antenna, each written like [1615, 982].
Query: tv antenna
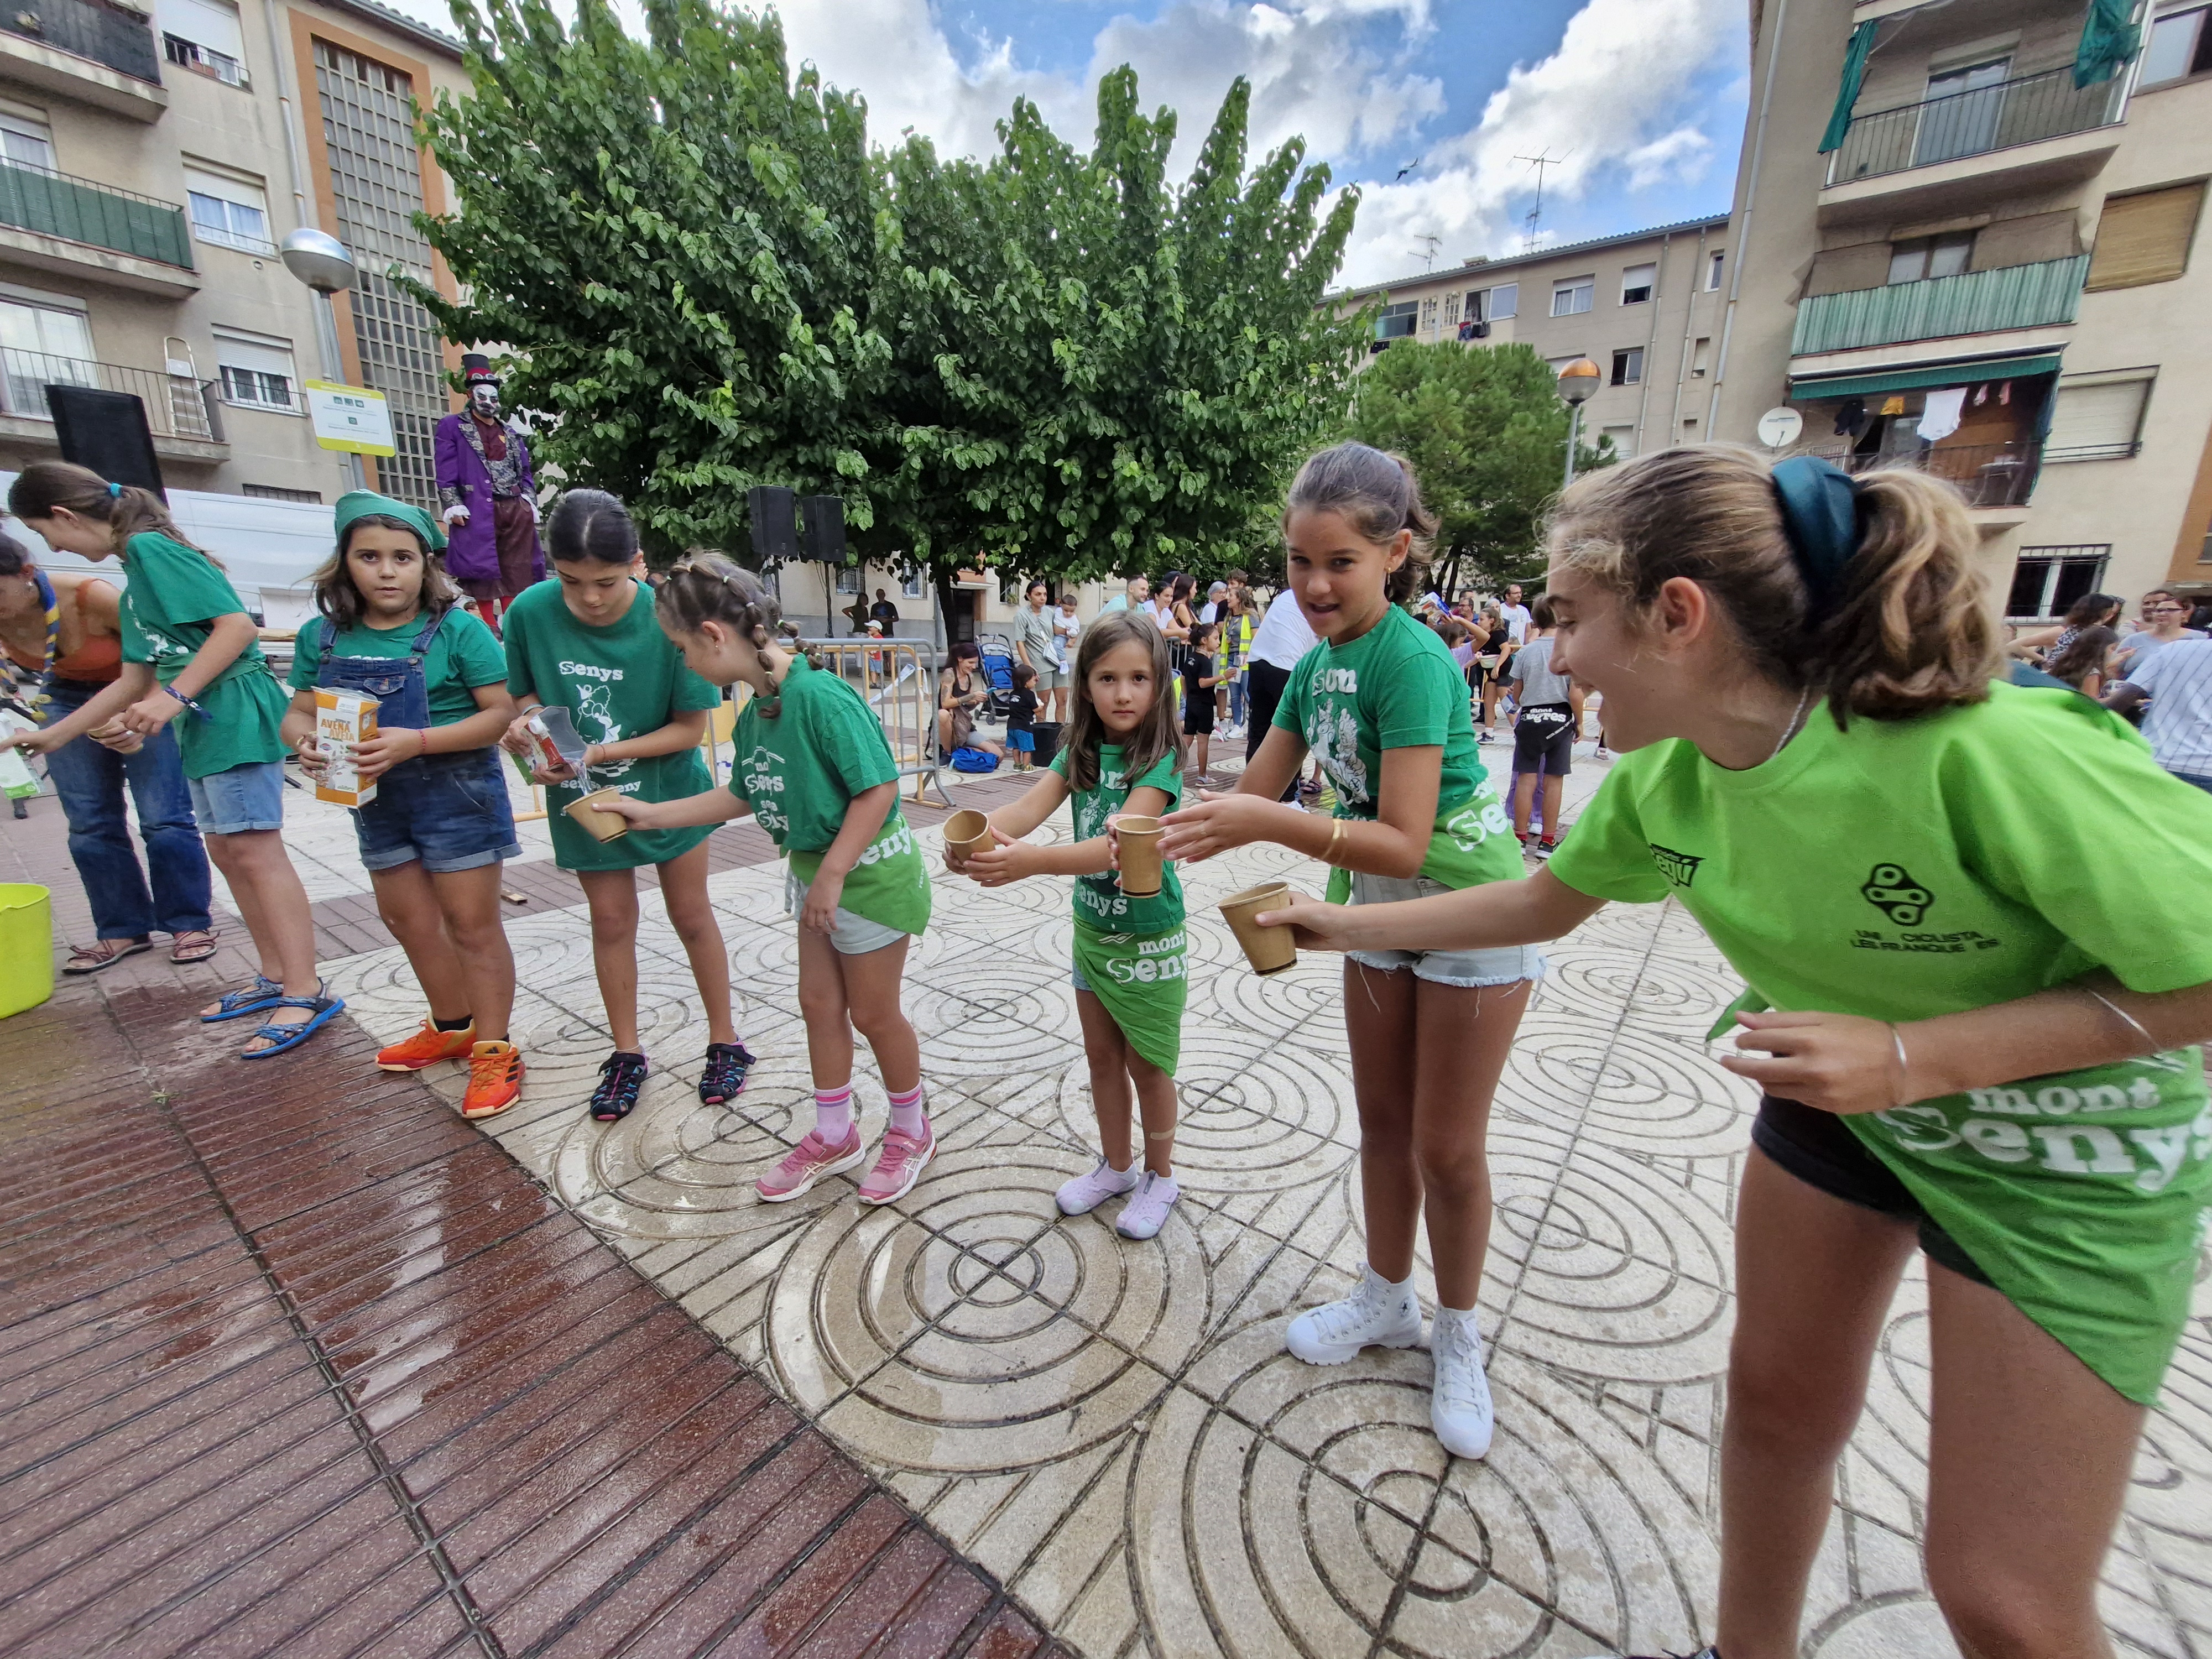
[1428, 251]
[1540, 162]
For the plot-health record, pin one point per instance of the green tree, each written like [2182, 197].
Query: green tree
[1486, 433]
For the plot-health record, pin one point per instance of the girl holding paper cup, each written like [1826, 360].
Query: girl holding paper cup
[1379, 701]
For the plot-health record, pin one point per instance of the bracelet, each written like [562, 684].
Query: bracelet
[2150, 1042]
[1897, 1041]
[423, 737]
[1338, 831]
[186, 701]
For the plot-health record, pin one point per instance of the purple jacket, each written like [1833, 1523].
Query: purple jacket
[473, 549]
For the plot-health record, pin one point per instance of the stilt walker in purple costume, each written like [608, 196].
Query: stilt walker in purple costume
[488, 491]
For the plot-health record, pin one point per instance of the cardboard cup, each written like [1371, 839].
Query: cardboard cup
[600, 826]
[966, 831]
[1141, 854]
[1269, 949]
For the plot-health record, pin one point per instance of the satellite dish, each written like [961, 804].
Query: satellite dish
[1778, 428]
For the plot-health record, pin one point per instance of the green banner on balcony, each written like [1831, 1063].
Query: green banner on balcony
[1847, 95]
[2109, 40]
[1914, 379]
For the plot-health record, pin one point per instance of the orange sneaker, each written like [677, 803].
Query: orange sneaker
[426, 1047]
[495, 1079]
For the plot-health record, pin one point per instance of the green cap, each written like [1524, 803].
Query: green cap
[359, 503]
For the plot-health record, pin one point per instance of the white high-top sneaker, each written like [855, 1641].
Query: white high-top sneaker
[1377, 1315]
[1459, 1404]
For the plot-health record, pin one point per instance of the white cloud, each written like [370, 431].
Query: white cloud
[1681, 155]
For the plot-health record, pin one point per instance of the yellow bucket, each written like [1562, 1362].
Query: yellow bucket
[26, 946]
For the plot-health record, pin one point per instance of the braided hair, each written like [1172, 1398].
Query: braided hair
[704, 586]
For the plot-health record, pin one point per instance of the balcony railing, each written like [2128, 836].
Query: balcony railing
[177, 405]
[123, 40]
[1936, 307]
[55, 204]
[1962, 124]
[1988, 474]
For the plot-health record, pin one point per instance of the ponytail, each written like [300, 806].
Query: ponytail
[1378, 495]
[125, 509]
[1896, 625]
[704, 586]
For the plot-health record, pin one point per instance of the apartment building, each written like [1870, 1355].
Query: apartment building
[1961, 252]
[150, 162]
[1644, 307]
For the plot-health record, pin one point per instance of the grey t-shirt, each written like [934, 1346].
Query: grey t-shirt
[1532, 673]
[1033, 629]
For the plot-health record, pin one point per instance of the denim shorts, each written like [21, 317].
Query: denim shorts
[1504, 964]
[449, 811]
[248, 797]
[850, 933]
[1075, 977]
[1021, 740]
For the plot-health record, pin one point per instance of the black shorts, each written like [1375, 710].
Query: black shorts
[1544, 740]
[1198, 717]
[1819, 1149]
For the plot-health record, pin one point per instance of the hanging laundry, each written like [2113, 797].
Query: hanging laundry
[1894, 406]
[1851, 418]
[1939, 417]
[2004, 393]
[1981, 394]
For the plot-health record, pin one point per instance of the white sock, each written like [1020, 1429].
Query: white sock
[907, 1116]
[833, 1114]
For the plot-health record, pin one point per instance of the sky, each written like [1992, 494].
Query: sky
[1640, 103]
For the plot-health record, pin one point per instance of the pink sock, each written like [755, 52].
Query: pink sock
[833, 1114]
[906, 1112]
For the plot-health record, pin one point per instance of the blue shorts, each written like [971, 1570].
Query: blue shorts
[450, 812]
[1021, 739]
[248, 797]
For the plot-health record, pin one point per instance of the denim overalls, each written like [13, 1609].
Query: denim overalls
[449, 811]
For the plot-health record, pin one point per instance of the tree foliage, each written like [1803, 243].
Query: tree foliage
[1487, 433]
[1051, 360]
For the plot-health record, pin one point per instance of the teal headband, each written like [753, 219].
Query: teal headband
[1820, 518]
[362, 503]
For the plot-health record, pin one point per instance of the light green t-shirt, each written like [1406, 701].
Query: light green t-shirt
[623, 680]
[174, 596]
[463, 654]
[1906, 869]
[1099, 900]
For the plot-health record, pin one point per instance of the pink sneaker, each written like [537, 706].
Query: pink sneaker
[900, 1166]
[807, 1162]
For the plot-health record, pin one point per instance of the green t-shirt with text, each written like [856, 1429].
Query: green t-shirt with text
[1905, 869]
[173, 597]
[1099, 899]
[619, 681]
[463, 654]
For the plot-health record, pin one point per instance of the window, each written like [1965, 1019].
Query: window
[2145, 238]
[1624, 440]
[2099, 417]
[910, 584]
[1397, 322]
[1924, 257]
[1429, 317]
[1628, 367]
[43, 345]
[2048, 579]
[849, 578]
[228, 212]
[1573, 296]
[1637, 284]
[202, 35]
[279, 493]
[1505, 300]
[26, 143]
[1713, 272]
[1451, 310]
[257, 370]
[1557, 363]
[1698, 355]
[2181, 46]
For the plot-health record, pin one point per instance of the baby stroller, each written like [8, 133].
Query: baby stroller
[997, 674]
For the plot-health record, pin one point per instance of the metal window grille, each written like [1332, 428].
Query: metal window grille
[2047, 581]
[376, 176]
[283, 493]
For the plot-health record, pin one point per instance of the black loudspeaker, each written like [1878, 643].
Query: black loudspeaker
[108, 432]
[776, 531]
[824, 517]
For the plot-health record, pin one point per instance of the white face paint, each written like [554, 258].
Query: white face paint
[485, 401]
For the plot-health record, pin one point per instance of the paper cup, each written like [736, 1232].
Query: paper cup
[1269, 949]
[966, 831]
[1141, 854]
[600, 826]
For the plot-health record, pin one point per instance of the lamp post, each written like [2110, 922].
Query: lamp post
[1577, 381]
[320, 260]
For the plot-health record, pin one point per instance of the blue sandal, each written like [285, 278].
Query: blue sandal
[263, 994]
[282, 1037]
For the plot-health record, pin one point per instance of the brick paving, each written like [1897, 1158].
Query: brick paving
[293, 1360]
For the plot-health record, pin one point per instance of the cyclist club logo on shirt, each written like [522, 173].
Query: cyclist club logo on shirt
[1680, 868]
[1892, 890]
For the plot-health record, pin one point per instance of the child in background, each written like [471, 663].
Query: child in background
[1543, 732]
[1199, 681]
[587, 642]
[1021, 716]
[433, 837]
[814, 767]
[1129, 974]
[190, 649]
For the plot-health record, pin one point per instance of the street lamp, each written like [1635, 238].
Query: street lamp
[320, 260]
[1577, 381]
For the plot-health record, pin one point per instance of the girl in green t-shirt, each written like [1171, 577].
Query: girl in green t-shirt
[1379, 701]
[190, 649]
[434, 836]
[1122, 755]
[1977, 1010]
[814, 769]
[587, 642]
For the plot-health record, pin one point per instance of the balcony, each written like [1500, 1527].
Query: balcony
[1996, 479]
[94, 231]
[181, 410]
[82, 50]
[1941, 307]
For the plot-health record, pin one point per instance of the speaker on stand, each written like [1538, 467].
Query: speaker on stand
[108, 432]
[774, 527]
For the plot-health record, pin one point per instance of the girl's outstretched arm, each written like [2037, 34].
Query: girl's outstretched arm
[1527, 912]
[715, 806]
[1009, 858]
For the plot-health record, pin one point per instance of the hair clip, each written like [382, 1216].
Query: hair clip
[115, 492]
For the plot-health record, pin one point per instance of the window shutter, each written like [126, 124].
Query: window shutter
[204, 23]
[2097, 418]
[267, 357]
[2145, 238]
